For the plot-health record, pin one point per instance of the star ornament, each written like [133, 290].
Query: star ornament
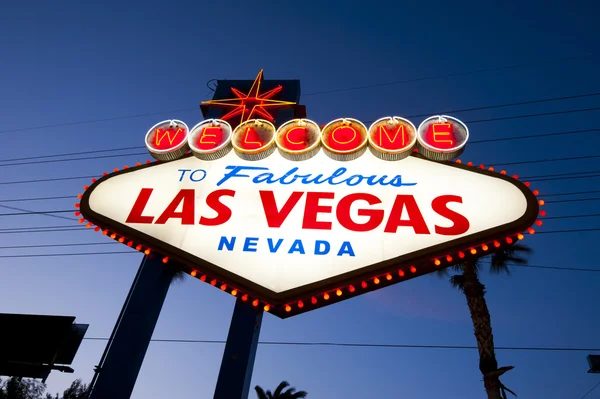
[252, 104]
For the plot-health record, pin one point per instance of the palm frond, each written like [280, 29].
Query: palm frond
[299, 395]
[280, 388]
[178, 277]
[515, 254]
[260, 392]
[458, 281]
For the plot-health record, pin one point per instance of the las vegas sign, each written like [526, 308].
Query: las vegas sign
[302, 216]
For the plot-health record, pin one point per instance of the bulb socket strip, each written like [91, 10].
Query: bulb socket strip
[344, 291]
[392, 138]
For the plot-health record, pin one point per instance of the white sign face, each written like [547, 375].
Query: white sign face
[283, 224]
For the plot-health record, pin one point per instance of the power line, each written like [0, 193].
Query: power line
[574, 200]
[45, 180]
[590, 391]
[545, 160]
[65, 226]
[28, 211]
[573, 193]
[370, 345]
[566, 231]
[410, 116]
[560, 174]
[115, 243]
[74, 210]
[38, 198]
[447, 75]
[145, 152]
[104, 243]
[65, 154]
[75, 244]
[115, 118]
[135, 252]
[108, 119]
[532, 136]
[495, 164]
[69, 254]
[571, 111]
[36, 213]
[43, 230]
[563, 178]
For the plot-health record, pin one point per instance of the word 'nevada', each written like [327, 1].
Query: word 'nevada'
[321, 247]
[183, 208]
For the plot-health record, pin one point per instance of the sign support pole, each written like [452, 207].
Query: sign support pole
[235, 374]
[118, 370]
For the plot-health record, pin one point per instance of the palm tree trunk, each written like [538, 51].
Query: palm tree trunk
[480, 315]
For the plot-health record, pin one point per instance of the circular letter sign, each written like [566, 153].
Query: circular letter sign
[253, 139]
[392, 138]
[210, 139]
[167, 140]
[442, 137]
[298, 139]
[344, 139]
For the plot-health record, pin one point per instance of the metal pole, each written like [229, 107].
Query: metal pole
[235, 374]
[116, 376]
[115, 329]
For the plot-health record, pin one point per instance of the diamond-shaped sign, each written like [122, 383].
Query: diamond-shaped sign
[314, 232]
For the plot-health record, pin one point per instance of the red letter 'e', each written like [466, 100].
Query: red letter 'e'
[312, 210]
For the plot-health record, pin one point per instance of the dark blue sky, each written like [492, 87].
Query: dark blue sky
[69, 61]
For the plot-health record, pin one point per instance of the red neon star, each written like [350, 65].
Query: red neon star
[252, 104]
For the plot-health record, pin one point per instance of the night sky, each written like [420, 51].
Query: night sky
[81, 77]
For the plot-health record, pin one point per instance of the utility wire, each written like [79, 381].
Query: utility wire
[135, 252]
[28, 229]
[447, 75]
[573, 193]
[560, 174]
[494, 164]
[146, 153]
[117, 243]
[38, 199]
[74, 210]
[590, 391]
[542, 195]
[108, 119]
[372, 345]
[410, 116]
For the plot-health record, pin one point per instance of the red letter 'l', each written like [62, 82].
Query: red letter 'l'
[135, 216]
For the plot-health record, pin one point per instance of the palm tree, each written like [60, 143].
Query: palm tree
[279, 393]
[467, 281]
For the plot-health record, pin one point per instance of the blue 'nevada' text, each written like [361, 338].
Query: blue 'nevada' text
[321, 247]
